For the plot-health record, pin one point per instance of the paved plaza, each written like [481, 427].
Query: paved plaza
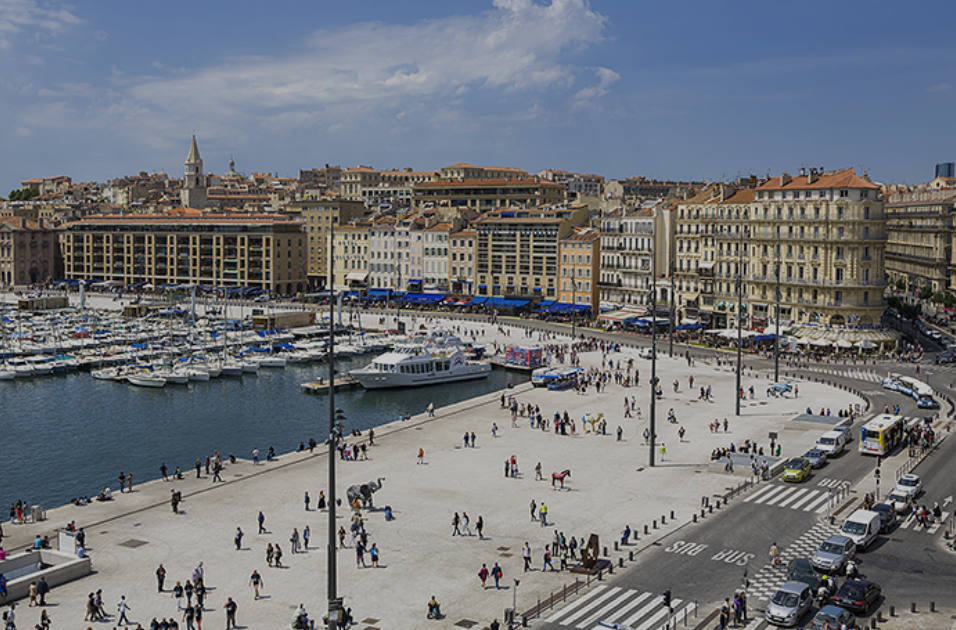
[611, 485]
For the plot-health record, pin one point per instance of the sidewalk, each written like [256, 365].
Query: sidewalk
[611, 485]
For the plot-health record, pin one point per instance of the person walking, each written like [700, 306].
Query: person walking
[465, 529]
[421, 456]
[255, 456]
[307, 500]
[189, 615]
[547, 560]
[255, 580]
[479, 526]
[321, 504]
[42, 589]
[455, 525]
[163, 470]
[238, 539]
[431, 410]
[123, 608]
[294, 540]
[306, 534]
[262, 522]
[537, 472]
[277, 556]
[534, 511]
[774, 554]
[526, 555]
[483, 576]
[178, 592]
[496, 573]
[160, 577]
[373, 554]
[663, 451]
[543, 511]
[231, 609]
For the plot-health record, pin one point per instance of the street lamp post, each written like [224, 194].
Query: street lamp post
[776, 336]
[335, 602]
[652, 417]
[740, 308]
[671, 316]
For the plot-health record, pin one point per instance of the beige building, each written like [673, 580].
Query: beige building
[188, 246]
[516, 251]
[919, 229]
[580, 268]
[461, 267]
[28, 253]
[351, 255]
[628, 250]
[374, 187]
[318, 217]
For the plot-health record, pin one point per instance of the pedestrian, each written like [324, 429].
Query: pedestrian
[42, 589]
[255, 456]
[44, 620]
[321, 504]
[479, 526]
[359, 554]
[294, 540]
[123, 607]
[663, 451]
[32, 590]
[680, 433]
[198, 609]
[431, 410]
[494, 429]
[373, 554]
[230, 613]
[620, 433]
[774, 554]
[472, 439]
[421, 456]
[11, 617]
[647, 437]
[262, 522]
[534, 511]
[198, 468]
[306, 534]
[238, 539]
[277, 556]
[188, 616]
[160, 577]
[455, 525]
[216, 476]
[543, 511]
[467, 437]
[255, 580]
[726, 425]
[724, 617]
[538, 476]
[163, 470]
[496, 573]
[270, 554]
[465, 530]
[526, 555]
[178, 592]
[483, 576]
[307, 500]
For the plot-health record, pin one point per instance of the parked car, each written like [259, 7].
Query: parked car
[833, 554]
[857, 595]
[817, 457]
[833, 615]
[797, 470]
[863, 528]
[910, 484]
[789, 604]
[887, 516]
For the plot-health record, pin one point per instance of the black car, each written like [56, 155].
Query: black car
[946, 357]
[800, 570]
[857, 595]
[887, 516]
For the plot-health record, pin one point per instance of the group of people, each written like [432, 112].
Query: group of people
[733, 610]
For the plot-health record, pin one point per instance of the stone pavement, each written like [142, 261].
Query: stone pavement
[611, 485]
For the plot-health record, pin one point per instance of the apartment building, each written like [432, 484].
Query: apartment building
[374, 187]
[516, 250]
[825, 232]
[462, 264]
[579, 268]
[318, 217]
[627, 255]
[487, 194]
[28, 252]
[919, 229]
[435, 256]
[577, 184]
[351, 255]
[409, 248]
[188, 246]
[383, 254]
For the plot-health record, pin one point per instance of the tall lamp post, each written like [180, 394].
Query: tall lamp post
[652, 417]
[574, 300]
[672, 315]
[740, 315]
[776, 336]
[335, 602]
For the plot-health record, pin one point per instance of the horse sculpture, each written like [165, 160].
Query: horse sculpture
[363, 492]
[559, 477]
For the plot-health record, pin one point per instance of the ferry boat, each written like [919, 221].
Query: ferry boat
[412, 365]
[555, 378]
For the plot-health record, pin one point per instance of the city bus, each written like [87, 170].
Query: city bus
[909, 386]
[881, 435]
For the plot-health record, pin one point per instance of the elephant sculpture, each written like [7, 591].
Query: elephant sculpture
[364, 492]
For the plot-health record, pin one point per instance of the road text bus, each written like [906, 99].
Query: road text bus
[881, 435]
[909, 386]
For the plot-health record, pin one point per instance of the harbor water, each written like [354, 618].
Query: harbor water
[69, 436]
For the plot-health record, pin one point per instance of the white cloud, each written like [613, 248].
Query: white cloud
[373, 71]
[20, 16]
[586, 96]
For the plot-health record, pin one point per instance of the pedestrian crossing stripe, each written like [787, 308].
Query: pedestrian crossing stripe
[795, 498]
[635, 609]
[932, 529]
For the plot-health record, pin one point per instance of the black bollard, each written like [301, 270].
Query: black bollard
[672, 515]
[873, 623]
[932, 606]
[605, 552]
[695, 518]
[912, 607]
[647, 531]
[630, 555]
[710, 508]
[655, 524]
[620, 562]
[610, 568]
[663, 521]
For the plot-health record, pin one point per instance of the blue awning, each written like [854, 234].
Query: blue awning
[423, 298]
[482, 286]
[543, 305]
[767, 337]
[689, 327]
[478, 299]
[500, 302]
[378, 293]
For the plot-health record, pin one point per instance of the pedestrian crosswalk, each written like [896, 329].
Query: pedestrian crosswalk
[606, 605]
[854, 373]
[911, 524]
[820, 498]
[769, 578]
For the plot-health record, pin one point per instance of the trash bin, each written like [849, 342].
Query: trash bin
[36, 513]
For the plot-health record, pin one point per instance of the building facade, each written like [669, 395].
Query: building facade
[627, 253]
[350, 255]
[483, 195]
[383, 255]
[462, 261]
[28, 253]
[188, 247]
[580, 268]
[318, 217]
[435, 256]
[516, 252]
[919, 230]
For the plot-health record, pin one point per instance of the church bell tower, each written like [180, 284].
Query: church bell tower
[194, 182]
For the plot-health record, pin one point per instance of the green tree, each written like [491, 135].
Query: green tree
[925, 292]
[937, 298]
[949, 300]
[901, 284]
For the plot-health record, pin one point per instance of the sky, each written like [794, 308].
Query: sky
[671, 90]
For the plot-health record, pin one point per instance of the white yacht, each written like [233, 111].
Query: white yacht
[411, 365]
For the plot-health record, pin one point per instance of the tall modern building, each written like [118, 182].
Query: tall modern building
[193, 194]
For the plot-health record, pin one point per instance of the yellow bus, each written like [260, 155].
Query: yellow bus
[881, 435]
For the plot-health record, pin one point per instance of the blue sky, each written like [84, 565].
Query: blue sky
[678, 90]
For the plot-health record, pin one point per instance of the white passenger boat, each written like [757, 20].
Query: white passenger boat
[412, 365]
[146, 379]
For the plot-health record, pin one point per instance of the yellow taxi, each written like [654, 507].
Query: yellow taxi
[797, 470]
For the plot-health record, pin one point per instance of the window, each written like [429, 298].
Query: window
[839, 275]
[839, 252]
[865, 276]
[840, 232]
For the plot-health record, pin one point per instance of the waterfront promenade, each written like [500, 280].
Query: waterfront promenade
[611, 485]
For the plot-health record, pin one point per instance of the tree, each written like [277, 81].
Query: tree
[901, 284]
[925, 292]
[937, 298]
[949, 300]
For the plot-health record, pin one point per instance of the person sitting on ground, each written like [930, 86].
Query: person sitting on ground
[434, 608]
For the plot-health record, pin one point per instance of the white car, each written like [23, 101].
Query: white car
[902, 502]
[646, 353]
[262, 298]
[909, 484]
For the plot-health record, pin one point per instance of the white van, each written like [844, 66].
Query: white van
[862, 527]
[832, 442]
